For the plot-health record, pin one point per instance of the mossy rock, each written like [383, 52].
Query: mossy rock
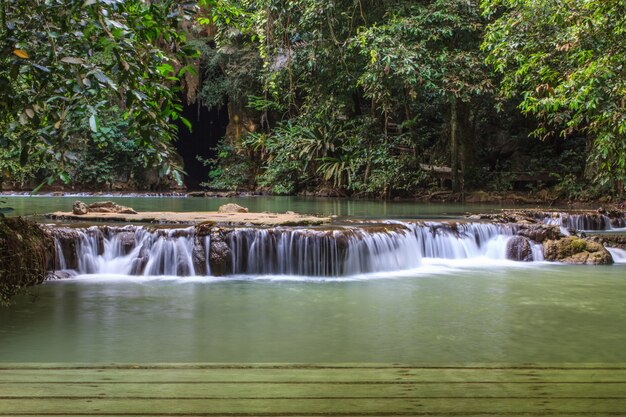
[27, 252]
[575, 250]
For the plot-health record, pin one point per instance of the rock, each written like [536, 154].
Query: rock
[518, 248]
[199, 255]
[196, 194]
[232, 208]
[574, 250]
[540, 232]
[610, 240]
[127, 241]
[80, 208]
[478, 197]
[67, 239]
[110, 207]
[220, 256]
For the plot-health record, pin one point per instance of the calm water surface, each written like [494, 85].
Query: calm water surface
[321, 206]
[537, 313]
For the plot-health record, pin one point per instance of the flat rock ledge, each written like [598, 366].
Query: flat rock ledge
[227, 219]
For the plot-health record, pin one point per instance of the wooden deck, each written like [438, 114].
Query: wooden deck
[311, 390]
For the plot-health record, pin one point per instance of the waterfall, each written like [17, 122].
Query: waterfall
[584, 222]
[339, 251]
[619, 255]
[131, 250]
[359, 250]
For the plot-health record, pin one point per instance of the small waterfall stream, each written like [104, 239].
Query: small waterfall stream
[341, 251]
[585, 222]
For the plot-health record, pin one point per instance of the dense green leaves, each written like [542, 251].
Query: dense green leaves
[566, 61]
[63, 62]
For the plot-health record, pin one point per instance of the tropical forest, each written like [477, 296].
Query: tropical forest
[306, 208]
[354, 98]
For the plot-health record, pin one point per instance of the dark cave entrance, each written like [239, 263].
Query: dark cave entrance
[209, 126]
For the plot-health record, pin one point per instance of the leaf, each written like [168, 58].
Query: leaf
[72, 60]
[41, 67]
[65, 177]
[30, 113]
[186, 122]
[21, 53]
[93, 123]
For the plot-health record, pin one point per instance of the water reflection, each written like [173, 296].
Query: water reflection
[542, 314]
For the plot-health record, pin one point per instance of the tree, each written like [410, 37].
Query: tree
[428, 50]
[63, 63]
[566, 61]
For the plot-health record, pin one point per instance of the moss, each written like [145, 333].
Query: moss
[578, 245]
[26, 256]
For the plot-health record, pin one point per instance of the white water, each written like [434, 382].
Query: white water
[348, 251]
[133, 251]
[585, 222]
[619, 255]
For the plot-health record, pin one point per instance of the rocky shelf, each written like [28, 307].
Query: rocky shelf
[229, 219]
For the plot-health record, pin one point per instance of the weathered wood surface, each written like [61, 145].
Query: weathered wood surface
[311, 390]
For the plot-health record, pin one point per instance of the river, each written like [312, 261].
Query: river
[470, 310]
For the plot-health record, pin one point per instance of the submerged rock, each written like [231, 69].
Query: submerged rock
[518, 248]
[232, 208]
[575, 250]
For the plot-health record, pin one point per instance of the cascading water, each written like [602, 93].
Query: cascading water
[132, 251]
[619, 255]
[351, 251]
[584, 222]
[341, 251]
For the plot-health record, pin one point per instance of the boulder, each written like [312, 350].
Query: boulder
[540, 232]
[232, 208]
[575, 250]
[80, 208]
[518, 248]
[110, 207]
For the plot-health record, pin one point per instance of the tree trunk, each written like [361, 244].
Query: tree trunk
[454, 145]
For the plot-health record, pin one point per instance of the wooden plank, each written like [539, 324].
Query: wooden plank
[317, 390]
[341, 390]
[313, 375]
[303, 406]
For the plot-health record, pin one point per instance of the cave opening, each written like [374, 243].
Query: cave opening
[208, 127]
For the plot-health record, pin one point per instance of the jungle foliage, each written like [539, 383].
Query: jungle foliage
[87, 78]
[360, 95]
[348, 97]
